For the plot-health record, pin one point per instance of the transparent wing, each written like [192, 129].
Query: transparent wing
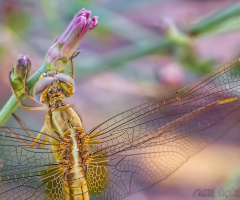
[146, 144]
[28, 173]
[132, 150]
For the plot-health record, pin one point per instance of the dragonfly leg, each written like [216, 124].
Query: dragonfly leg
[36, 140]
[21, 103]
[72, 68]
[24, 86]
[22, 125]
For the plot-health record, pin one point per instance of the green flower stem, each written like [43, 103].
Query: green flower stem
[214, 19]
[8, 108]
[13, 103]
[120, 56]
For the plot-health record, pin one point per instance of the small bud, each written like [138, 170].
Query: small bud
[170, 30]
[20, 72]
[22, 65]
[65, 48]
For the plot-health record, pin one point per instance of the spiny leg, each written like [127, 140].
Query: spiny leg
[72, 68]
[24, 86]
[21, 103]
[71, 60]
[36, 139]
[22, 125]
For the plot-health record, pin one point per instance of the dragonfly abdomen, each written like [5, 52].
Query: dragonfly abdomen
[75, 184]
[73, 154]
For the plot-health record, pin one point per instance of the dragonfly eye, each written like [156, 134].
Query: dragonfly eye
[64, 78]
[40, 87]
[66, 84]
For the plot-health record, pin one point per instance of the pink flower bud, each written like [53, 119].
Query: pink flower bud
[22, 66]
[65, 48]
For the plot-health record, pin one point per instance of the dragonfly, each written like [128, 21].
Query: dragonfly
[121, 156]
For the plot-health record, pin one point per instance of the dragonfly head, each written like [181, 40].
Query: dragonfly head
[53, 86]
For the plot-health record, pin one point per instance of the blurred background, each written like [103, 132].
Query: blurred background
[140, 50]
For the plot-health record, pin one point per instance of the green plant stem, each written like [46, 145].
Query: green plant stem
[209, 22]
[119, 57]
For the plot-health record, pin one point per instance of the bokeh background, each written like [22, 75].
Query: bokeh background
[140, 50]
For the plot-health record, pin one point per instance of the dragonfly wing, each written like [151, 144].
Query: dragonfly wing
[27, 173]
[164, 133]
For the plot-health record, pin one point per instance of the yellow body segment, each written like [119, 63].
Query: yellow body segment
[64, 121]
